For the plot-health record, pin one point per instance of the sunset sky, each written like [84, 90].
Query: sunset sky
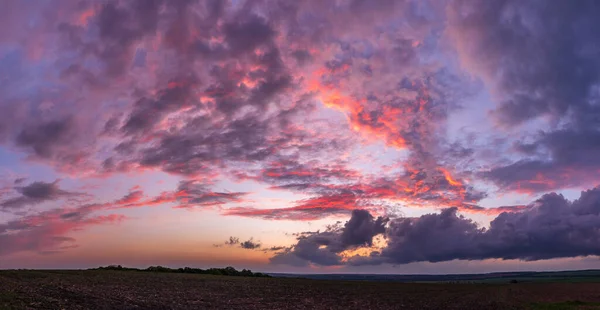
[388, 136]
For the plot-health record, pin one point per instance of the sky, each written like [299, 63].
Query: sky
[343, 136]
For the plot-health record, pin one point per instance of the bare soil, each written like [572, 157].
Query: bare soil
[148, 290]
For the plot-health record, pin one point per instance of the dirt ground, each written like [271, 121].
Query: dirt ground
[147, 290]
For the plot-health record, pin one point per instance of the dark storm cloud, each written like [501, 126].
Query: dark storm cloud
[551, 227]
[311, 249]
[322, 248]
[361, 228]
[38, 192]
[432, 237]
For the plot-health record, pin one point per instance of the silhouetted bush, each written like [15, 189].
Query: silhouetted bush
[159, 269]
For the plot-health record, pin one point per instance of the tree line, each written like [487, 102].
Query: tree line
[227, 271]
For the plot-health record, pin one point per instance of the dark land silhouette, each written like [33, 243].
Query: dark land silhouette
[117, 287]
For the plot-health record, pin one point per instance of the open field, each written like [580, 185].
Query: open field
[495, 277]
[148, 290]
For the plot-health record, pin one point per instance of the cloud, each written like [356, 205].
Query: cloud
[218, 101]
[46, 138]
[38, 192]
[540, 62]
[118, 29]
[250, 244]
[416, 188]
[147, 113]
[246, 34]
[289, 172]
[232, 241]
[537, 58]
[361, 228]
[293, 97]
[572, 154]
[322, 248]
[306, 210]
[232, 95]
[46, 231]
[189, 194]
[131, 198]
[274, 249]
[551, 227]
[192, 193]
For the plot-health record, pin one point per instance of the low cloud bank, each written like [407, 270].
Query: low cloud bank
[550, 227]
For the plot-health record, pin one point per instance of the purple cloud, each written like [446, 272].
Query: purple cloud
[38, 192]
[551, 227]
